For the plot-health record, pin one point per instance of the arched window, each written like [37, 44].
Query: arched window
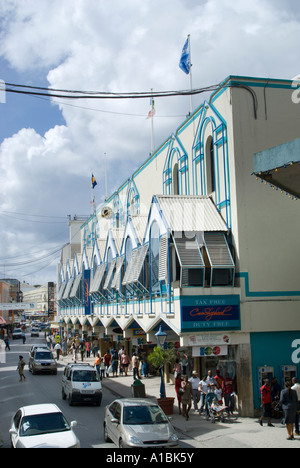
[175, 180]
[154, 257]
[210, 166]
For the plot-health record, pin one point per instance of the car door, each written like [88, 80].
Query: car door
[111, 427]
[16, 422]
[116, 427]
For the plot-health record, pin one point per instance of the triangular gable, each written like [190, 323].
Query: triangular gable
[155, 214]
[110, 243]
[84, 261]
[76, 270]
[129, 232]
[96, 257]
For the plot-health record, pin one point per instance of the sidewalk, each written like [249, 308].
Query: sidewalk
[235, 432]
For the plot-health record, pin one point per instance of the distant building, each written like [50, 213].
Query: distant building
[45, 298]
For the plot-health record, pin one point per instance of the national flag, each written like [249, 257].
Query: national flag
[185, 60]
[151, 112]
[93, 183]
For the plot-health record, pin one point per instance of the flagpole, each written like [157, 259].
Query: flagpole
[191, 79]
[152, 124]
[105, 169]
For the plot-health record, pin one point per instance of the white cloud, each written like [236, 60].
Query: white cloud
[121, 46]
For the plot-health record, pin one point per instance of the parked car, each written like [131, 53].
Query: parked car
[139, 423]
[42, 426]
[35, 332]
[17, 334]
[35, 346]
[42, 360]
[81, 383]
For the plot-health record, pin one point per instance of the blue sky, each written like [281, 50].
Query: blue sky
[49, 151]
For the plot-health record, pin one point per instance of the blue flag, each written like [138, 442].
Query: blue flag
[93, 183]
[185, 61]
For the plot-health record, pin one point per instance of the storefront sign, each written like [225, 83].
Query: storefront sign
[86, 292]
[207, 339]
[205, 351]
[296, 354]
[210, 312]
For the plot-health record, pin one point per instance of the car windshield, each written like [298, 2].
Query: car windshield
[43, 424]
[43, 355]
[140, 415]
[85, 376]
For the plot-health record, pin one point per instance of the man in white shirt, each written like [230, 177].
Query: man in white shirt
[195, 381]
[296, 387]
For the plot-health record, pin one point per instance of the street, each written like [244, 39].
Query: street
[45, 388]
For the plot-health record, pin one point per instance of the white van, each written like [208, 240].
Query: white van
[81, 383]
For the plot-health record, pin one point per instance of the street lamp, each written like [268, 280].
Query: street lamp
[161, 337]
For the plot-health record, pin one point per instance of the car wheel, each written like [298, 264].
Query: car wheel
[70, 400]
[106, 436]
[121, 444]
[64, 396]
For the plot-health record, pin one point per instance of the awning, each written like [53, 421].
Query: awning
[97, 279]
[191, 213]
[135, 264]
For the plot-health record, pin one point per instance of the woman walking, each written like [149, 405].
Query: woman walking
[20, 368]
[289, 402]
[179, 390]
[186, 397]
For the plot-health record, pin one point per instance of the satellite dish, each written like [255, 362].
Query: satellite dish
[106, 212]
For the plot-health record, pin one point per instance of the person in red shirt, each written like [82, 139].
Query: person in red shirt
[228, 392]
[266, 403]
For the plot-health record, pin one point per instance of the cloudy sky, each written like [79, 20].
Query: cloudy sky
[48, 150]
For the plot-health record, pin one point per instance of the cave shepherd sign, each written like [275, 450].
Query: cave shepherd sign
[210, 313]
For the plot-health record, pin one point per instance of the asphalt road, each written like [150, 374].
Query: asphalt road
[44, 388]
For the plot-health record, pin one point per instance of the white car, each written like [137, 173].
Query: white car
[139, 423]
[42, 426]
[81, 383]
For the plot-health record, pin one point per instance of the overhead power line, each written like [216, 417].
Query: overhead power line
[76, 94]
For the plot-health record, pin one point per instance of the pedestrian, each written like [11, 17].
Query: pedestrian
[218, 378]
[195, 382]
[7, 343]
[82, 350]
[124, 361]
[228, 392]
[57, 349]
[88, 349]
[184, 364]
[107, 359]
[266, 403]
[74, 350]
[179, 390]
[186, 397]
[20, 368]
[177, 368]
[135, 366]
[204, 390]
[145, 367]
[211, 382]
[289, 402]
[102, 368]
[97, 363]
[23, 337]
[115, 363]
[64, 347]
[296, 387]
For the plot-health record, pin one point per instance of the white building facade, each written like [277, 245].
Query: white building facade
[194, 243]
